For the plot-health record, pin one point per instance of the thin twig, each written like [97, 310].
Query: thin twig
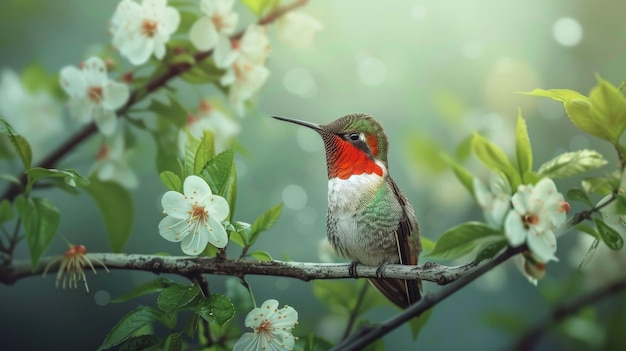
[355, 311]
[366, 336]
[534, 334]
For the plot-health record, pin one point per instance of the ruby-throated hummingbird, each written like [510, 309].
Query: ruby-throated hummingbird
[369, 220]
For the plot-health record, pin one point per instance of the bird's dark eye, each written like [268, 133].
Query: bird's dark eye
[354, 136]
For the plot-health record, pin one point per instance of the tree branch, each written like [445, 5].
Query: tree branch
[189, 266]
[137, 95]
[366, 336]
[534, 334]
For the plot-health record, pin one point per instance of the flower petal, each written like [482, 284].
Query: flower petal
[216, 234]
[171, 20]
[95, 71]
[259, 314]
[114, 95]
[73, 81]
[248, 342]
[196, 189]
[81, 109]
[203, 34]
[218, 208]
[175, 205]
[285, 318]
[194, 243]
[105, 120]
[543, 245]
[514, 229]
[173, 229]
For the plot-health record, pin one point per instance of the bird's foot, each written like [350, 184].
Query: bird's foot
[380, 269]
[352, 269]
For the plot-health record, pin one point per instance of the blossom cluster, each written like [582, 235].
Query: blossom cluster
[531, 216]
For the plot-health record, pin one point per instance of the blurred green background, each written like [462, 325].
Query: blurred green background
[430, 71]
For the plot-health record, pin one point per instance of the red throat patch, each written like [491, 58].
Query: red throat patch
[346, 159]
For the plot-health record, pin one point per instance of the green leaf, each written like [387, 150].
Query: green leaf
[463, 175]
[20, 145]
[489, 250]
[191, 325]
[601, 185]
[611, 106]
[150, 287]
[494, 158]
[204, 152]
[463, 239]
[427, 244]
[6, 211]
[258, 7]
[166, 139]
[315, 343]
[505, 321]
[172, 110]
[129, 324]
[71, 177]
[169, 319]
[261, 256]
[576, 194]
[230, 191]
[116, 207]
[584, 116]
[570, 164]
[40, 219]
[416, 324]
[587, 229]
[218, 169]
[140, 342]
[176, 296]
[620, 204]
[264, 222]
[217, 308]
[191, 148]
[173, 342]
[171, 181]
[522, 147]
[610, 236]
[561, 95]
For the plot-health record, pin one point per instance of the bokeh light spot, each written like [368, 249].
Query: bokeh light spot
[419, 12]
[372, 71]
[294, 197]
[567, 31]
[102, 297]
[282, 284]
[300, 82]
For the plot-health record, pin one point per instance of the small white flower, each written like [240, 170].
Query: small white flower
[209, 118]
[112, 163]
[297, 29]
[537, 211]
[254, 46]
[530, 267]
[34, 115]
[142, 30]
[93, 96]
[194, 218]
[219, 22]
[494, 201]
[272, 328]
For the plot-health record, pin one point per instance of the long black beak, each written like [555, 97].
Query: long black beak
[313, 126]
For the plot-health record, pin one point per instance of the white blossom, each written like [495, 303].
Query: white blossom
[211, 119]
[219, 21]
[297, 29]
[195, 217]
[93, 96]
[112, 163]
[142, 30]
[272, 328]
[34, 115]
[495, 201]
[537, 211]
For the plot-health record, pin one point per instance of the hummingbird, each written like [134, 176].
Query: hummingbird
[369, 220]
